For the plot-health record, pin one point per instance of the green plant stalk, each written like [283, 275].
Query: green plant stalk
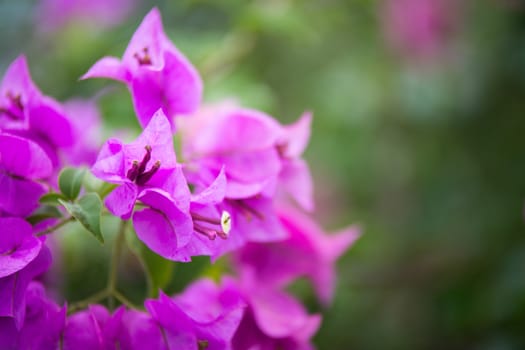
[115, 257]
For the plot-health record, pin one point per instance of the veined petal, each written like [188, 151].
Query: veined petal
[18, 247]
[13, 287]
[174, 183]
[157, 134]
[148, 95]
[110, 164]
[19, 197]
[214, 193]
[24, 158]
[182, 85]
[149, 35]
[156, 231]
[199, 245]
[163, 227]
[86, 329]
[17, 80]
[47, 118]
[121, 200]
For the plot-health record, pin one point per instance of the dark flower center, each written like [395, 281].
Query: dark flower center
[143, 58]
[281, 149]
[202, 344]
[14, 109]
[138, 174]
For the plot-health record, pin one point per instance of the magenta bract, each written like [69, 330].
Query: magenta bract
[156, 73]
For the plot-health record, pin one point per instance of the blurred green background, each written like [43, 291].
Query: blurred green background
[418, 136]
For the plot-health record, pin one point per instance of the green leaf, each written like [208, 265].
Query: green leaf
[51, 198]
[44, 212]
[87, 210]
[70, 180]
[158, 270]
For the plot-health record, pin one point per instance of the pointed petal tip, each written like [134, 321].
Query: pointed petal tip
[307, 117]
[339, 242]
[107, 67]
[153, 12]
[21, 59]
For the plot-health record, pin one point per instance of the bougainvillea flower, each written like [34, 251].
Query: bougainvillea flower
[295, 178]
[273, 319]
[86, 121]
[189, 325]
[181, 234]
[156, 73]
[13, 287]
[142, 164]
[18, 246]
[146, 170]
[24, 108]
[43, 323]
[21, 162]
[308, 251]
[241, 140]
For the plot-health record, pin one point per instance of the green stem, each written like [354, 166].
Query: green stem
[115, 257]
[120, 297]
[56, 226]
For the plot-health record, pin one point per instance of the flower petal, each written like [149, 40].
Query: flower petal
[47, 118]
[24, 158]
[13, 287]
[268, 306]
[296, 179]
[182, 85]
[157, 134]
[18, 247]
[163, 227]
[147, 90]
[108, 67]
[19, 197]
[17, 80]
[297, 135]
[214, 193]
[121, 201]
[149, 35]
[110, 164]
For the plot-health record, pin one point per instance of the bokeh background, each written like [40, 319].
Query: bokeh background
[418, 136]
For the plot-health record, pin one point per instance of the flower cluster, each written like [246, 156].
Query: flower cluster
[237, 184]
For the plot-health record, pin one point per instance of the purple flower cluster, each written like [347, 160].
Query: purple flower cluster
[237, 184]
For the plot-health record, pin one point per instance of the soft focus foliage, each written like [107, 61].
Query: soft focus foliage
[417, 135]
